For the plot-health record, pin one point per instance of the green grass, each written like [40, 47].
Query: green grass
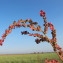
[28, 58]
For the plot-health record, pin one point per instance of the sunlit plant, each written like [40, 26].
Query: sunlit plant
[39, 37]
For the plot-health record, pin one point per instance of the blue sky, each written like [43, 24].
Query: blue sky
[11, 10]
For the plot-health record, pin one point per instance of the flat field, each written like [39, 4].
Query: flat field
[28, 58]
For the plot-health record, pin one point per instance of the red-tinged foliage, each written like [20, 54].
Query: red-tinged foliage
[51, 61]
[42, 13]
[37, 41]
[40, 37]
[11, 26]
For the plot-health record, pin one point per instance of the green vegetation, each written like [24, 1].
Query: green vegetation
[28, 58]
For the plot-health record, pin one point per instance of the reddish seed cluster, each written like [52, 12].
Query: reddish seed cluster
[42, 13]
[51, 61]
[53, 41]
[40, 38]
[21, 23]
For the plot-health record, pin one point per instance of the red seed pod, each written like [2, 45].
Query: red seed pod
[57, 47]
[11, 26]
[1, 40]
[42, 13]
[37, 41]
[1, 44]
[3, 36]
[30, 34]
